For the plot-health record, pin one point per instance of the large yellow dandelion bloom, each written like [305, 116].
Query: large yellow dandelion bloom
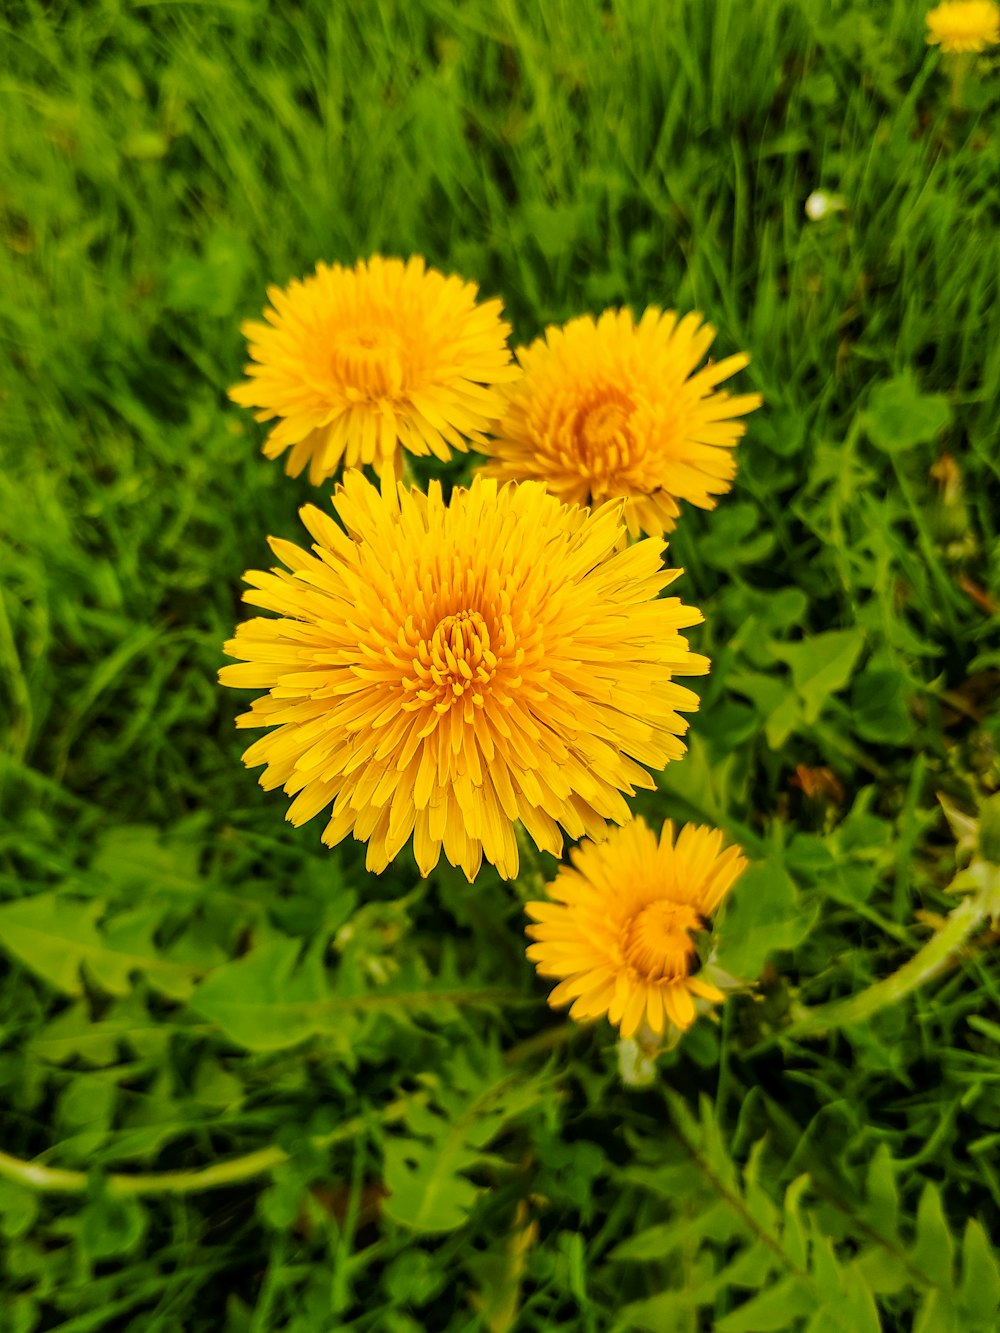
[619, 932]
[441, 671]
[610, 409]
[358, 362]
[964, 25]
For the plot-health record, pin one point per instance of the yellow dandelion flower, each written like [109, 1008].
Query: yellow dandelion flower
[619, 931]
[358, 362]
[610, 409]
[964, 25]
[442, 671]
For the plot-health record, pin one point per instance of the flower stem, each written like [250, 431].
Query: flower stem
[958, 67]
[937, 955]
[54, 1180]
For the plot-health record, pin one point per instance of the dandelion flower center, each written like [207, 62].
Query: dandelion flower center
[598, 438]
[456, 663]
[371, 362]
[657, 940]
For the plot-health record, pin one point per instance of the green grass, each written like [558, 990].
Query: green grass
[161, 164]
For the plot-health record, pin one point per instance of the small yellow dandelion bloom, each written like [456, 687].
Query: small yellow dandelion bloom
[610, 409]
[964, 25]
[358, 362]
[442, 671]
[619, 932]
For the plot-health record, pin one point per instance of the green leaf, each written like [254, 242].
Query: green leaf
[900, 416]
[719, 1222]
[777, 705]
[55, 936]
[269, 1000]
[52, 936]
[878, 706]
[881, 1207]
[989, 829]
[937, 1314]
[771, 1311]
[979, 1293]
[111, 1227]
[884, 1271]
[821, 666]
[932, 1253]
[135, 859]
[736, 537]
[425, 1171]
[73, 1034]
[763, 914]
[19, 1208]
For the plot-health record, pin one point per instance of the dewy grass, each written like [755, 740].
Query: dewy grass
[193, 991]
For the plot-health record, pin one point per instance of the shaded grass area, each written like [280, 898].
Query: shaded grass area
[161, 164]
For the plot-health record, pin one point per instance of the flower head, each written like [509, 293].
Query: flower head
[964, 25]
[441, 671]
[610, 409]
[619, 933]
[358, 362]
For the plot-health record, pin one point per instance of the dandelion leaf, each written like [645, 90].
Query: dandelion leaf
[900, 416]
[979, 1292]
[448, 1132]
[56, 936]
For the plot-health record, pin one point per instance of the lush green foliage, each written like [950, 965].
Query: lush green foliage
[290, 1096]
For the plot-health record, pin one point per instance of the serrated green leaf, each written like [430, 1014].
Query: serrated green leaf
[883, 1271]
[271, 1000]
[937, 1314]
[425, 1172]
[718, 1222]
[881, 1207]
[933, 1252]
[771, 1311]
[794, 1239]
[72, 1034]
[900, 416]
[751, 1267]
[428, 1193]
[55, 936]
[134, 859]
[979, 1293]
[51, 936]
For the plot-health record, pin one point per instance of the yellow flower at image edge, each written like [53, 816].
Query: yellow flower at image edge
[964, 25]
[359, 362]
[619, 931]
[611, 409]
[441, 671]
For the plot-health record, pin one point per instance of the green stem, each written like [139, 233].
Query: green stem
[959, 65]
[54, 1180]
[929, 962]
